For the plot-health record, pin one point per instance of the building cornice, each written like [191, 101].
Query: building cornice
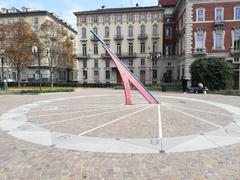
[37, 13]
[119, 10]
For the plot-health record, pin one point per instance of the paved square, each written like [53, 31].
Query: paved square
[91, 134]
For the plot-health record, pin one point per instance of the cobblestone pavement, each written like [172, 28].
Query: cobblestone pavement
[24, 160]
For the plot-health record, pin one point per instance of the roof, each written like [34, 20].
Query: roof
[167, 2]
[38, 13]
[119, 10]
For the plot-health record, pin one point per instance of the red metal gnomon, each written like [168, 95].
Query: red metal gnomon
[127, 76]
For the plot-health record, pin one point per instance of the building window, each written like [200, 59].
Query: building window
[155, 30]
[142, 17]
[118, 31]
[142, 50]
[219, 39]
[95, 63]
[84, 49]
[236, 40]
[107, 63]
[106, 18]
[155, 47]
[142, 62]
[95, 19]
[84, 19]
[130, 17]
[200, 40]
[237, 13]
[106, 32]
[85, 74]
[1, 22]
[155, 16]
[142, 30]
[154, 74]
[219, 14]
[95, 49]
[168, 32]
[95, 30]
[200, 14]
[35, 21]
[154, 62]
[130, 62]
[167, 51]
[118, 18]
[84, 63]
[130, 31]
[10, 21]
[84, 32]
[130, 48]
[118, 48]
[107, 74]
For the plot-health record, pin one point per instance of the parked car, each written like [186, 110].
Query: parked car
[9, 80]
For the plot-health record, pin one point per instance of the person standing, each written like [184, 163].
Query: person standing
[184, 84]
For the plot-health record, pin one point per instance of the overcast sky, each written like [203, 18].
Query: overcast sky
[65, 8]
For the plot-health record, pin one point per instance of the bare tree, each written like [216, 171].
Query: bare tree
[68, 55]
[53, 37]
[18, 41]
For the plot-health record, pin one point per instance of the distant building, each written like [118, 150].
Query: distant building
[134, 34]
[205, 29]
[35, 19]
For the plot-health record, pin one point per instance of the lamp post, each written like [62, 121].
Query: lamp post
[36, 51]
[2, 62]
[154, 58]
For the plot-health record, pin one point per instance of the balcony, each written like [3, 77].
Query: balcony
[199, 52]
[83, 38]
[105, 56]
[142, 36]
[118, 37]
[218, 23]
[235, 51]
[155, 36]
[82, 56]
[127, 55]
[93, 38]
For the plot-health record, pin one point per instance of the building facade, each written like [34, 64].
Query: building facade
[206, 29]
[134, 34]
[35, 19]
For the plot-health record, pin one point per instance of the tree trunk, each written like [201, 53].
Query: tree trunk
[18, 78]
[51, 79]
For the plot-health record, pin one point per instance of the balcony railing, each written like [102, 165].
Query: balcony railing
[82, 56]
[199, 52]
[93, 38]
[235, 51]
[142, 36]
[155, 36]
[219, 23]
[118, 37]
[122, 55]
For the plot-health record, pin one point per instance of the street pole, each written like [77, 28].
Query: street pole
[39, 69]
[2, 85]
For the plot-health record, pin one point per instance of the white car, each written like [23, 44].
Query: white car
[9, 80]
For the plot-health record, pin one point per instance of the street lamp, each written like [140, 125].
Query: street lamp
[154, 58]
[36, 51]
[2, 62]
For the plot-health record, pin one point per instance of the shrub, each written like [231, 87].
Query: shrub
[214, 73]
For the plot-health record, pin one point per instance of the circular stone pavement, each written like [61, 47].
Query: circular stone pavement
[102, 123]
[92, 134]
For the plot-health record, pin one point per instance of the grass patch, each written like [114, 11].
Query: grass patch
[49, 90]
[227, 92]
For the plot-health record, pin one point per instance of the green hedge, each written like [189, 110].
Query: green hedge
[158, 87]
[227, 92]
[51, 90]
